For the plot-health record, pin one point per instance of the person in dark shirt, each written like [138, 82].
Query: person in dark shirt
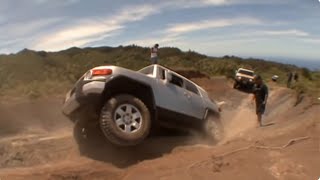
[296, 77]
[290, 77]
[260, 91]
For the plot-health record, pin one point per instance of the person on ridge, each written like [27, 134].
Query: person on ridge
[154, 54]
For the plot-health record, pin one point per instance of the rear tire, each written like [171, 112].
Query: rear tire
[125, 120]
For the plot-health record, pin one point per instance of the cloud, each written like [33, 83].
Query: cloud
[149, 41]
[214, 2]
[210, 24]
[173, 34]
[23, 29]
[19, 35]
[167, 4]
[75, 36]
[134, 13]
[268, 33]
[178, 4]
[257, 2]
[5, 51]
[290, 32]
[2, 19]
[61, 2]
[313, 41]
[86, 31]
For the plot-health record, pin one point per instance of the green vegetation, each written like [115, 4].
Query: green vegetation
[37, 74]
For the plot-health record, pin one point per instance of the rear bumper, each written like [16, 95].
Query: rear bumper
[83, 94]
[70, 104]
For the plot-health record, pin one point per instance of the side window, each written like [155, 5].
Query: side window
[176, 80]
[161, 73]
[147, 71]
[191, 87]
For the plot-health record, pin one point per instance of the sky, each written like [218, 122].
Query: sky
[288, 29]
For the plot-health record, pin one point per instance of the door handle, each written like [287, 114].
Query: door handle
[187, 95]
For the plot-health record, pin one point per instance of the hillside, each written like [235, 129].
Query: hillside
[35, 74]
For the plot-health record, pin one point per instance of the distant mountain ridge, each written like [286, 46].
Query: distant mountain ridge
[313, 64]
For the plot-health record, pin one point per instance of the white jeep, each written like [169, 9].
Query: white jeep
[244, 78]
[128, 104]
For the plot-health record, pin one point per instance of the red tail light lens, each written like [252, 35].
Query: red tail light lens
[101, 72]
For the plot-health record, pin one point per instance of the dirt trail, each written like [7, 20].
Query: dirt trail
[32, 117]
[36, 143]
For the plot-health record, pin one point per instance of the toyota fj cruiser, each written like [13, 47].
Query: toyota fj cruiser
[126, 105]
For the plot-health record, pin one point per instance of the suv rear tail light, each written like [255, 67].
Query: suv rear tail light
[101, 72]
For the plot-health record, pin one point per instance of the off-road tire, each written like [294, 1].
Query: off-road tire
[110, 128]
[78, 132]
[87, 135]
[235, 85]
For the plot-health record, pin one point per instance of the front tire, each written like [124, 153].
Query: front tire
[235, 85]
[87, 135]
[125, 120]
[79, 132]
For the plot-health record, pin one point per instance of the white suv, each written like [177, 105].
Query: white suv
[127, 104]
[244, 78]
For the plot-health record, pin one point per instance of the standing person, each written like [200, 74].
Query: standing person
[296, 76]
[260, 92]
[154, 54]
[290, 77]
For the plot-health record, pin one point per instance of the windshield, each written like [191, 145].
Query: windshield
[249, 73]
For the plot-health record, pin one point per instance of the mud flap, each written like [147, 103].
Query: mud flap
[220, 105]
